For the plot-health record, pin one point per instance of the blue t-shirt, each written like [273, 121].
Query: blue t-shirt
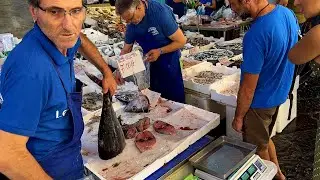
[265, 52]
[34, 101]
[155, 28]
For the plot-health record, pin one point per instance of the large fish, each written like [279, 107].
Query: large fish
[111, 140]
[138, 105]
[127, 96]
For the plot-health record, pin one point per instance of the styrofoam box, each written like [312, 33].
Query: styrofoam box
[282, 118]
[95, 36]
[283, 114]
[219, 87]
[191, 72]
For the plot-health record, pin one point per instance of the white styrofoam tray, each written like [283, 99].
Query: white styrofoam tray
[191, 72]
[219, 91]
[96, 37]
[136, 165]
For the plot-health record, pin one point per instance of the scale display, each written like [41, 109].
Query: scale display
[252, 170]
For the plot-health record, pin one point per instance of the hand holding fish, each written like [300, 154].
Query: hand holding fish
[109, 84]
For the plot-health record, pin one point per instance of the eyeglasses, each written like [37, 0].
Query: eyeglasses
[59, 13]
[132, 17]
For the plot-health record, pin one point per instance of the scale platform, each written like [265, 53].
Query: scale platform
[223, 156]
[231, 159]
[254, 169]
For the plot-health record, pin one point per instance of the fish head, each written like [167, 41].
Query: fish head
[139, 104]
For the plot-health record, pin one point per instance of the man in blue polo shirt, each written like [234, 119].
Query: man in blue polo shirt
[266, 72]
[153, 26]
[40, 118]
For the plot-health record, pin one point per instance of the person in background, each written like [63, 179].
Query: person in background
[154, 27]
[266, 73]
[308, 48]
[297, 12]
[290, 5]
[178, 7]
[211, 5]
[40, 118]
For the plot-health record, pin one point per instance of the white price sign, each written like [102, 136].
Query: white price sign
[130, 64]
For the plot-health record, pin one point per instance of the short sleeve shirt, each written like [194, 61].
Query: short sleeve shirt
[34, 100]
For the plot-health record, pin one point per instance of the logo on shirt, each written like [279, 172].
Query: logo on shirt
[153, 31]
[61, 114]
[1, 100]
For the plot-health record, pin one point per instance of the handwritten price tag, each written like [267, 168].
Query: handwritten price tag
[194, 50]
[130, 64]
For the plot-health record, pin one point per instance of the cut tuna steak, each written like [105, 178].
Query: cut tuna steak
[145, 141]
[164, 128]
[130, 131]
[111, 140]
[143, 124]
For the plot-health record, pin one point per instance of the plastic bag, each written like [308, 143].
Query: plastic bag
[141, 79]
[218, 14]
[228, 14]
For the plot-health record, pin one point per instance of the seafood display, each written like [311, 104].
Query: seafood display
[107, 23]
[92, 101]
[127, 96]
[145, 141]
[235, 48]
[186, 63]
[233, 90]
[131, 130]
[138, 105]
[207, 77]
[143, 124]
[236, 63]
[164, 128]
[212, 55]
[111, 140]
[198, 41]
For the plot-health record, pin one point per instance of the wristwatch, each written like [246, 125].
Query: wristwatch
[161, 52]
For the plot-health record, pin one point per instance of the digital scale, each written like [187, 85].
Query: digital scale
[254, 169]
[229, 159]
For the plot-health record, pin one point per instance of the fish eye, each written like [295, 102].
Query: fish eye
[134, 108]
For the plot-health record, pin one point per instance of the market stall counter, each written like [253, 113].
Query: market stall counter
[189, 125]
[228, 31]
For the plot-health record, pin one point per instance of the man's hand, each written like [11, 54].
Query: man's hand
[153, 55]
[109, 84]
[237, 124]
[283, 2]
[118, 77]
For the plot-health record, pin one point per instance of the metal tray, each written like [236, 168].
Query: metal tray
[223, 156]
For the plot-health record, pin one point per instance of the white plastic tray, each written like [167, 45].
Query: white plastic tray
[136, 165]
[189, 73]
